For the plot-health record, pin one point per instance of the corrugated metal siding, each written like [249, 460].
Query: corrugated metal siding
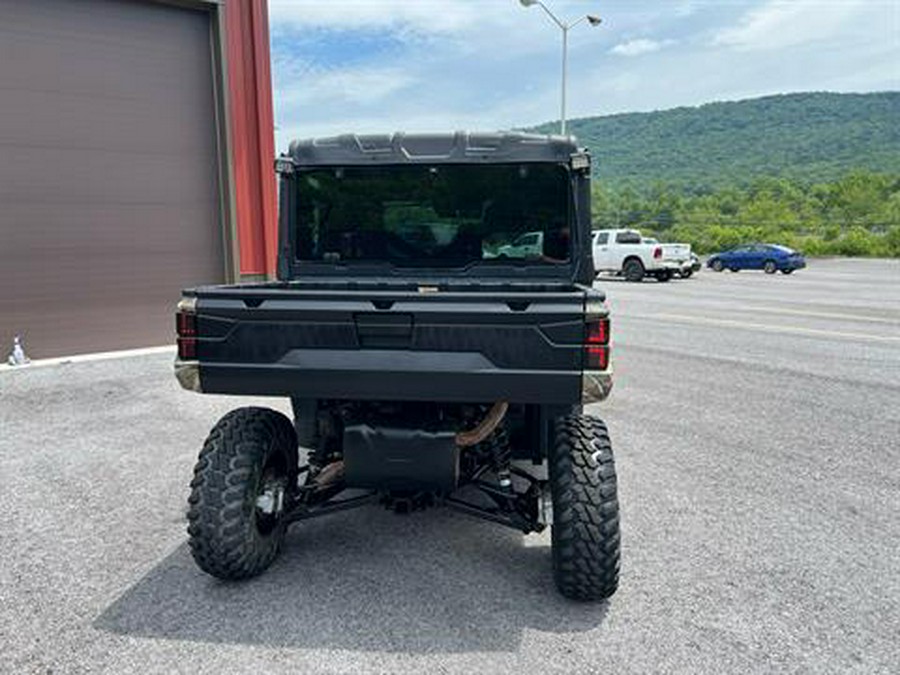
[108, 171]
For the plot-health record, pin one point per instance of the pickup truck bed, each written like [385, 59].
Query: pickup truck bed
[384, 340]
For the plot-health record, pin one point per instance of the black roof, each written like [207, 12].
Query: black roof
[450, 148]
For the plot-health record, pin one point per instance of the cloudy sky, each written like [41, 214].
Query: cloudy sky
[439, 65]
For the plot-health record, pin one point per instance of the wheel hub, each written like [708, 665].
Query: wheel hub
[271, 500]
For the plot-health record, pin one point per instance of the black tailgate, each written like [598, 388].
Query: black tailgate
[397, 345]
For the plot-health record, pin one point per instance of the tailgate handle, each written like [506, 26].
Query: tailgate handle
[391, 331]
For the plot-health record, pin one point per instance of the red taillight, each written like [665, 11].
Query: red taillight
[597, 357]
[657, 253]
[186, 327]
[596, 344]
[187, 349]
[186, 324]
[597, 332]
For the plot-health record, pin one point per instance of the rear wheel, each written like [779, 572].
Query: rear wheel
[633, 270]
[585, 530]
[770, 267]
[664, 275]
[686, 274]
[787, 271]
[717, 265]
[244, 477]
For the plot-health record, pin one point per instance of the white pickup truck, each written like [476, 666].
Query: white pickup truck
[625, 252]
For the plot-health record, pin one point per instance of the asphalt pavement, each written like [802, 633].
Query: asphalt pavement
[756, 424]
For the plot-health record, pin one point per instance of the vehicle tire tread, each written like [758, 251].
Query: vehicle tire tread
[585, 531]
[223, 537]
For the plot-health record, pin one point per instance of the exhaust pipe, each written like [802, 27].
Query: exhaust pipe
[485, 428]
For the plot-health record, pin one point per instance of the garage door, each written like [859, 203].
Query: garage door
[108, 172]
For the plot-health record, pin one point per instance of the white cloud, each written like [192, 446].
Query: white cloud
[639, 46]
[778, 24]
[363, 86]
[431, 16]
[479, 64]
[685, 9]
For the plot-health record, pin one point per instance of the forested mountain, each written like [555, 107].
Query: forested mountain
[812, 137]
[816, 171]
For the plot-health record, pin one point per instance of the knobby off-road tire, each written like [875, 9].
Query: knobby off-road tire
[585, 531]
[248, 448]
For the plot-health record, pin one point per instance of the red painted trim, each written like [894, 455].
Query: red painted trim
[265, 121]
[252, 134]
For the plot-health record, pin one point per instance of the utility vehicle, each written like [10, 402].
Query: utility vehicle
[423, 368]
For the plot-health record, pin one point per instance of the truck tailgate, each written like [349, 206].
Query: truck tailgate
[393, 345]
[676, 252]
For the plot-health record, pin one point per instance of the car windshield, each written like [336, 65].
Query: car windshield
[434, 216]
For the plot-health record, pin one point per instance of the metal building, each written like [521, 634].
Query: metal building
[136, 146]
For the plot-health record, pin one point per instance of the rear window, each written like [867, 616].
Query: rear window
[783, 249]
[434, 216]
[628, 238]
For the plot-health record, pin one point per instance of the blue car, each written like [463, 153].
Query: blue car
[767, 257]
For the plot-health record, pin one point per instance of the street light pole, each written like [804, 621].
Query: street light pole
[562, 104]
[564, 27]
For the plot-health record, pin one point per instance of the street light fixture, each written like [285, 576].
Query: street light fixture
[564, 27]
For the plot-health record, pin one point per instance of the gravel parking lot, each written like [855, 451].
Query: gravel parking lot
[756, 421]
